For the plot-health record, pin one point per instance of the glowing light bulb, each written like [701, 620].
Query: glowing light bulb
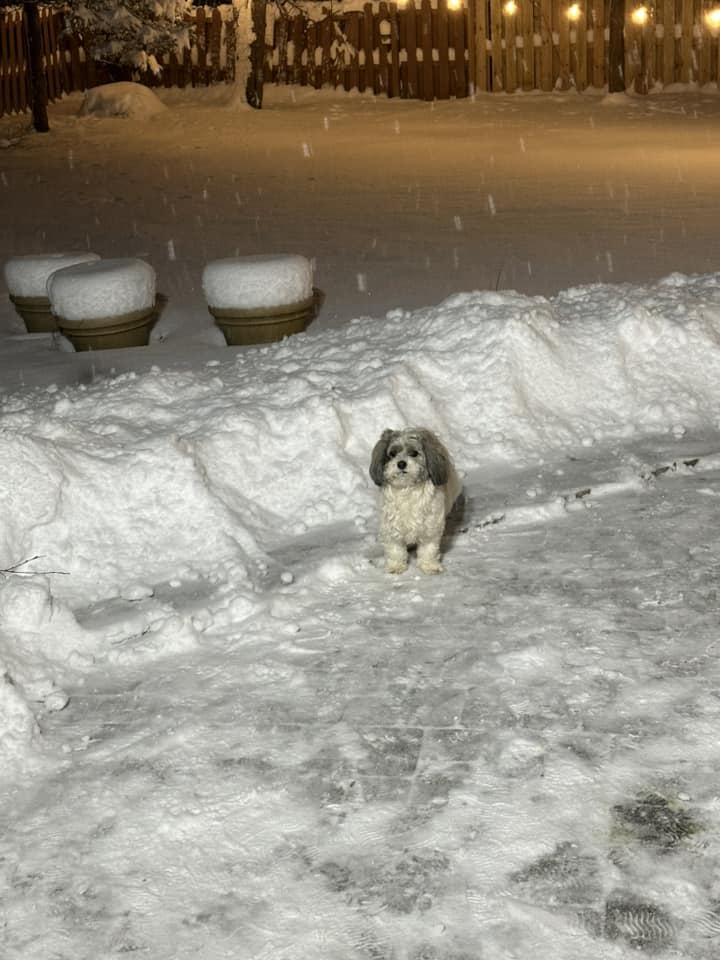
[510, 8]
[640, 16]
[712, 19]
[454, 4]
[574, 12]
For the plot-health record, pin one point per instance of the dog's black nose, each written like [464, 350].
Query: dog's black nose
[401, 464]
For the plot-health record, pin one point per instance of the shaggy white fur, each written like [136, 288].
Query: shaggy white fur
[419, 487]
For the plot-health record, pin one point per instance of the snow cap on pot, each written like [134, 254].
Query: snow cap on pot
[260, 299]
[109, 303]
[26, 278]
[89, 292]
[27, 275]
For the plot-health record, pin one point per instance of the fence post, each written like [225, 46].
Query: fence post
[616, 47]
[38, 82]
[254, 85]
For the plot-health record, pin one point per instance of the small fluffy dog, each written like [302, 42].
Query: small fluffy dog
[419, 487]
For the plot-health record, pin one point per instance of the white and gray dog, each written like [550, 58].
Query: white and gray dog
[419, 487]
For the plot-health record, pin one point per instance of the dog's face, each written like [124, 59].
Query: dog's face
[403, 458]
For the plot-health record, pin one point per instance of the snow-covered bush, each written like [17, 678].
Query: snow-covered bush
[131, 32]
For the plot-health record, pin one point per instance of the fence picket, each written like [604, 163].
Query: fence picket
[546, 48]
[214, 44]
[352, 32]
[511, 83]
[527, 51]
[77, 74]
[497, 81]
[458, 44]
[478, 37]
[667, 8]
[199, 72]
[296, 31]
[367, 48]
[409, 16]
[442, 45]
[426, 45]
[706, 43]
[326, 38]
[394, 88]
[382, 39]
[688, 69]
[18, 85]
[6, 25]
[578, 49]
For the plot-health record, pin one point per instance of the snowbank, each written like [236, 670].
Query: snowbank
[127, 486]
[109, 477]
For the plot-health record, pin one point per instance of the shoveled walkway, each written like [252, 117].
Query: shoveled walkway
[517, 759]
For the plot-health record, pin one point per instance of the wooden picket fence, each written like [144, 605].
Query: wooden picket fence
[211, 59]
[539, 47]
[421, 53]
[65, 66]
[424, 51]
[432, 52]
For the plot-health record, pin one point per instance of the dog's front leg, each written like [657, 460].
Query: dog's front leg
[428, 557]
[396, 557]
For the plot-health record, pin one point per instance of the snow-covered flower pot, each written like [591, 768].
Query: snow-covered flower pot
[26, 278]
[104, 305]
[260, 299]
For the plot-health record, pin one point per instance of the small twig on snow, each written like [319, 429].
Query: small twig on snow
[15, 569]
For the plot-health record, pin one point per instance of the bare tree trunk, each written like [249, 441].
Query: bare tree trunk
[616, 47]
[38, 82]
[254, 86]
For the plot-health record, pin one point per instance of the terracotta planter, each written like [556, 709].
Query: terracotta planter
[263, 325]
[110, 333]
[36, 313]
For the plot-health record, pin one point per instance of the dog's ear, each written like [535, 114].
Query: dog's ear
[437, 459]
[379, 457]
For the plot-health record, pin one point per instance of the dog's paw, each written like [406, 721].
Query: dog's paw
[395, 566]
[430, 567]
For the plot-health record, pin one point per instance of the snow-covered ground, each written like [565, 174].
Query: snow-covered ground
[224, 731]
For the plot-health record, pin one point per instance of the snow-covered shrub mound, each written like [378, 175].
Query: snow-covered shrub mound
[122, 99]
[27, 275]
[256, 282]
[105, 288]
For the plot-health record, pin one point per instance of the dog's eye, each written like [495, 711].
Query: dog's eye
[393, 452]
[413, 453]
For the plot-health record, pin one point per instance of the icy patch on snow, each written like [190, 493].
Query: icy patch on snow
[105, 288]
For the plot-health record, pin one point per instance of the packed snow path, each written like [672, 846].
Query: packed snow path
[517, 758]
